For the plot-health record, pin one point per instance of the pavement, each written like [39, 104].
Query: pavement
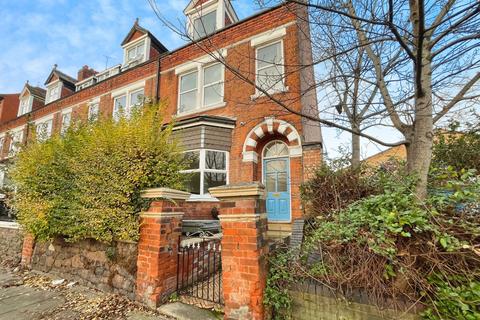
[33, 296]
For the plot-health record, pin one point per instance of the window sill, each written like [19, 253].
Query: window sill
[259, 94]
[200, 110]
[202, 198]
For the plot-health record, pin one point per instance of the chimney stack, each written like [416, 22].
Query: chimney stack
[85, 73]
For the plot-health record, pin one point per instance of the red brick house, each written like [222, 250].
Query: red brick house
[232, 131]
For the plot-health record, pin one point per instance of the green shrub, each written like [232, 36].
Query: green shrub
[393, 245]
[87, 183]
[457, 298]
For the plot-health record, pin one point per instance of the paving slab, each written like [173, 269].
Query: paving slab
[181, 311]
[24, 303]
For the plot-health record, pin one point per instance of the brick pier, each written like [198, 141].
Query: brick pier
[244, 226]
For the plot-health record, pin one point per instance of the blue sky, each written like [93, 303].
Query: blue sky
[36, 34]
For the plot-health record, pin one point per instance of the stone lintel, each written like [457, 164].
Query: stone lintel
[165, 193]
[178, 215]
[240, 190]
[248, 217]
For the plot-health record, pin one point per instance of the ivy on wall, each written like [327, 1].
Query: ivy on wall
[87, 183]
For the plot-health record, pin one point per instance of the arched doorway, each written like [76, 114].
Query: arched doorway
[276, 178]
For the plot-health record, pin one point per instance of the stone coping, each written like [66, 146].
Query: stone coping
[242, 217]
[9, 225]
[238, 190]
[162, 215]
[165, 193]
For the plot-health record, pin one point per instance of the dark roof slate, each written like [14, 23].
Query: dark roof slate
[62, 76]
[137, 27]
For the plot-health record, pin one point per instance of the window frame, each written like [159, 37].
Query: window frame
[128, 104]
[49, 129]
[27, 108]
[202, 170]
[283, 88]
[63, 128]
[14, 147]
[195, 34]
[50, 88]
[200, 87]
[89, 113]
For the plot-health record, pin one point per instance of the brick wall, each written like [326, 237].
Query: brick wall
[313, 301]
[199, 210]
[91, 263]
[11, 241]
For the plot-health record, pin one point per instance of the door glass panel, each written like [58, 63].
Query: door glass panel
[270, 183]
[276, 149]
[282, 182]
[276, 166]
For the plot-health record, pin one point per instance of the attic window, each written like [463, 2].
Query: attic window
[25, 106]
[53, 92]
[135, 53]
[205, 25]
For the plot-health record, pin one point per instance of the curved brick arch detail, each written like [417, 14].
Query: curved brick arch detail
[271, 127]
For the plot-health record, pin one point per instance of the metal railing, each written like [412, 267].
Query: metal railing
[200, 270]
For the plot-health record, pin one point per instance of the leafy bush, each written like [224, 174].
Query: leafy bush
[331, 190]
[279, 278]
[458, 297]
[87, 183]
[460, 150]
[393, 245]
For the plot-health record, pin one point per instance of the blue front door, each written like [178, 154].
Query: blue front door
[277, 184]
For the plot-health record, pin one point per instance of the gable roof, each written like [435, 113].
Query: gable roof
[36, 91]
[137, 27]
[62, 76]
[194, 3]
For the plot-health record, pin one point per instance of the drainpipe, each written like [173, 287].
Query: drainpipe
[157, 84]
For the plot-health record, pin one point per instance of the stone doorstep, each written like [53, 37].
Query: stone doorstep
[181, 311]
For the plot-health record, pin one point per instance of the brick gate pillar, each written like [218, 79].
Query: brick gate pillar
[244, 225]
[160, 231]
[27, 250]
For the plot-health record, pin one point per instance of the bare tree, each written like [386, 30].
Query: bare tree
[424, 56]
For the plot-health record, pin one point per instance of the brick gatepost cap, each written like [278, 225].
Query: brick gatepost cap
[165, 193]
[239, 190]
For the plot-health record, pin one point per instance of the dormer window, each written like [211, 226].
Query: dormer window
[205, 25]
[136, 53]
[206, 17]
[53, 92]
[25, 105]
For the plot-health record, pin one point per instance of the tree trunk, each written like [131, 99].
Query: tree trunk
[419, 152]
[355, 161]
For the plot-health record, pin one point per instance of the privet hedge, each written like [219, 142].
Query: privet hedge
[87, 183]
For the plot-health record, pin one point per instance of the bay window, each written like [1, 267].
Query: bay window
[207, 169]
[201, 88]
[270, 67]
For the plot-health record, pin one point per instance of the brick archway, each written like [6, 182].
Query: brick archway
[271, 127]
